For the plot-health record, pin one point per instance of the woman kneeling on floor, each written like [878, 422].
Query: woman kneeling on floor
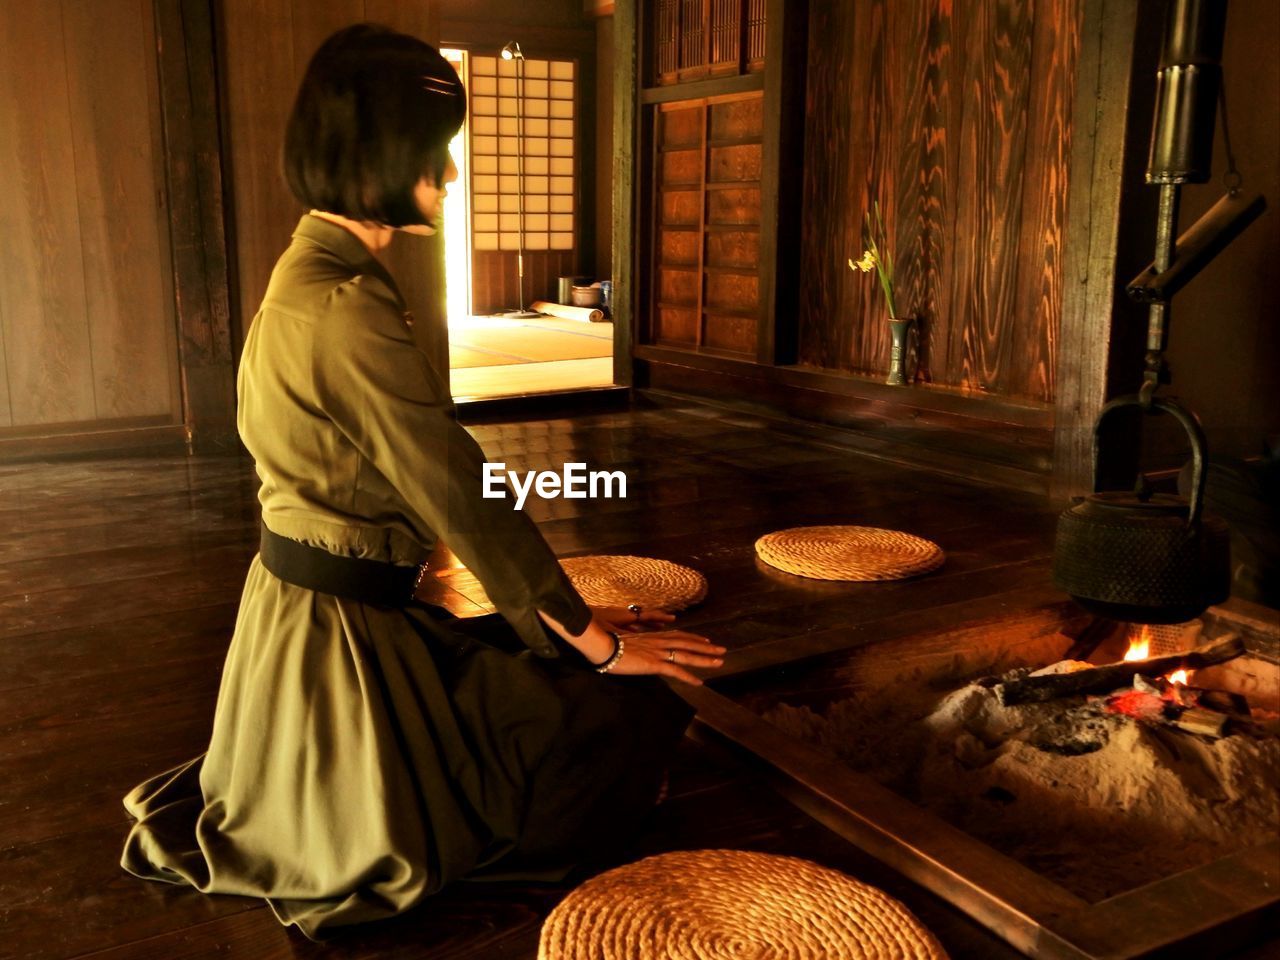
[368, 749]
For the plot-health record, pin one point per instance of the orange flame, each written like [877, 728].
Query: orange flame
[1140, 648]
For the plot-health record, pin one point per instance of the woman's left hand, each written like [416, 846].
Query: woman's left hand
[623, 619]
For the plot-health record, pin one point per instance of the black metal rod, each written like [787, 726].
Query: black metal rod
[1158, 318]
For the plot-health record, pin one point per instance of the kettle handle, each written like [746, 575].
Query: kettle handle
[1189, 423]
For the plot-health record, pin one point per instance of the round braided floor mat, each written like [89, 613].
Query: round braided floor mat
[731, 905]
[615, 581]
[849, 553]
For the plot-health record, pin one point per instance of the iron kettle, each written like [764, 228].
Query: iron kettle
[1144, 557]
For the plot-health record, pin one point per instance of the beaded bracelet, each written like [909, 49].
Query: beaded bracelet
[619, 645]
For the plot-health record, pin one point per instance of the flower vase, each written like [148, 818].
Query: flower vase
[898, 352]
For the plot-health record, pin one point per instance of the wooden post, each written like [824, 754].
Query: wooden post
[626, 249]
[1109, 237]
[781, 185]
[193, 175]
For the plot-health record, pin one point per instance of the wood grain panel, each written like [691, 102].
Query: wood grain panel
[42, 296]
[678, 246]
[874, 152]
[733, 248]
[736, 119]
[676, 325]
[678, 286]
[738, 162]
[923, 202]
[736, 292]
[955, 119]
[707, 222]
[1032, 349]
[992, 149]
[680, 127]
[125, 254]
[740, 205]
[731, 333]
[681, 167]
[680, 207]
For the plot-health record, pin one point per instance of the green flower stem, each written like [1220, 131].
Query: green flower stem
[884, 262]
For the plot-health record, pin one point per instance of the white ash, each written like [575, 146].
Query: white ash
[1098, 802]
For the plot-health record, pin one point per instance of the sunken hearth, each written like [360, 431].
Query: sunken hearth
[1100, 792]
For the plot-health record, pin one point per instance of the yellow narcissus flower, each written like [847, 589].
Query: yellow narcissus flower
[866, 263]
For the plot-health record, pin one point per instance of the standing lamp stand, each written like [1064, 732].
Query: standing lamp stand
[512, 52]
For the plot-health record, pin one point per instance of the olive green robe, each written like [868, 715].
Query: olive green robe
[363, 756]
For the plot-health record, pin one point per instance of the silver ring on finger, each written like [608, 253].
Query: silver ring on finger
[671, 656]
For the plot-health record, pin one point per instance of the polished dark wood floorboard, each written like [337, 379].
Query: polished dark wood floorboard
[119, 580]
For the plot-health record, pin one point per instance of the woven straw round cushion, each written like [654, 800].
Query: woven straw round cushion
[613, 581]
[849, 553]
[731, 905]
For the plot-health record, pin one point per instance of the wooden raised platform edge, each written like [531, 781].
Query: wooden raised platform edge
[539, 406]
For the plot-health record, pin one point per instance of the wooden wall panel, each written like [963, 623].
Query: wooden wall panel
[706, 210]
[1038, 293]
[111, 75]
[495, 282]
[992, 140]
[42, 296]
[955, 118]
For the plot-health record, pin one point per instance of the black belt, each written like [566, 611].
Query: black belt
[352, 578]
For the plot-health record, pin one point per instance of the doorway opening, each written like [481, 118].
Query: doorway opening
[516, 203]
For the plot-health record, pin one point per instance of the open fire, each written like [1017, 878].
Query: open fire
[1140, 649]
[1172, 699]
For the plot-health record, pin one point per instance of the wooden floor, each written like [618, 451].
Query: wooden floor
[118, 587]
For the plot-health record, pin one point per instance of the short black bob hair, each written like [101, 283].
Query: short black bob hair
[375, 113]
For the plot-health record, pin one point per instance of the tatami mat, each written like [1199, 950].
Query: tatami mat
[499, 341]
[520, 378]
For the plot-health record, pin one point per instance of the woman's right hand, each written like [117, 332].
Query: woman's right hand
[668, 653]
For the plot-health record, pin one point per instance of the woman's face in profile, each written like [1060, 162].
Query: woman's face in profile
[428, 195]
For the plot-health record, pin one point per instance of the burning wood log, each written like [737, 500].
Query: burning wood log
[1208, 723]
[1112, 675]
